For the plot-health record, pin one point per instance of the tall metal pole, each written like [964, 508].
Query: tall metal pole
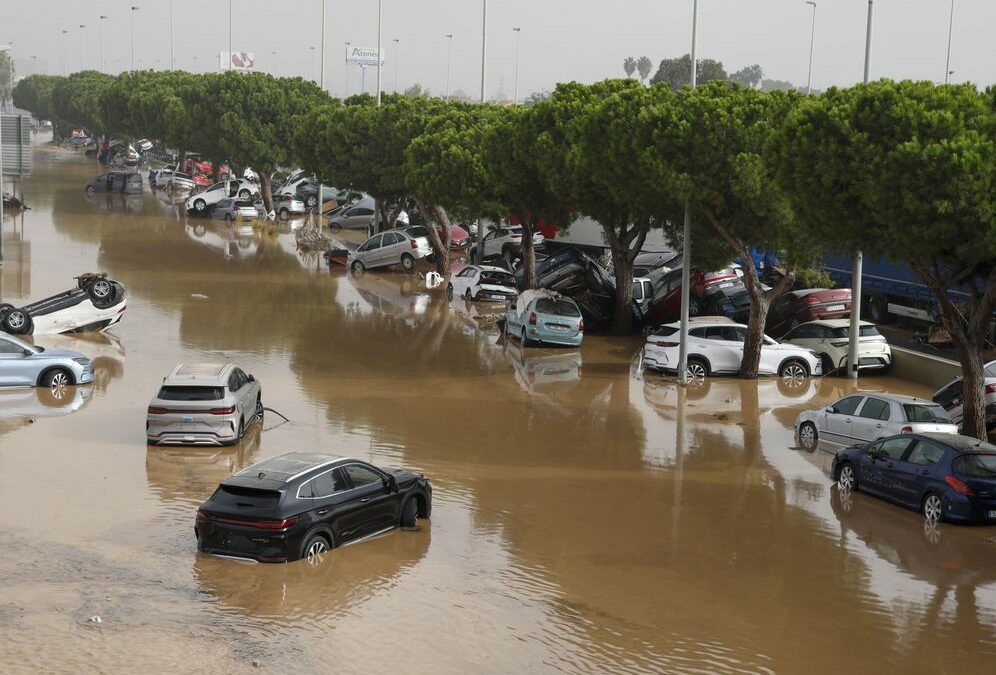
[274, 63]
[515, 90]
[100, 39]
[812, 39]
[65, 63]
[9, 54]
[856, 264]
[947, 63]
[380, 40]
[230, 41]
[348, 45]
[686, 238]
[397, 62]
[172, 58]
[484, 72]
[449, 59]
[82, 63]
[323, 46]
[313, 79]
[133, 10]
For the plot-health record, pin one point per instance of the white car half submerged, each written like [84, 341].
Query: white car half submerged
[482, 282]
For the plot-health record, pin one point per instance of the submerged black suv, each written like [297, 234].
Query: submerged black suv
[300, 505]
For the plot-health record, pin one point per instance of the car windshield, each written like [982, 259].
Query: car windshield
[558, 307]
[976, 466]
[190, 393]
[497, 278]
[926, 413]
[863, 331]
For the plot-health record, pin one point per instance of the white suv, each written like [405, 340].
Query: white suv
[829, 339]
[505, 241]
[226, 189]
[716, 346]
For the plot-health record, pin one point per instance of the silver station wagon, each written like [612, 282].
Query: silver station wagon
[203, 404]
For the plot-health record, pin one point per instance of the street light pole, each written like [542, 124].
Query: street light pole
[686, 237]
[518, 37]
[856, 264]
[348, 45]
[947, 63]
[323, 47]
[812, 39]
[172, 58]
[274, 63]
[313, 64]
[484, 70]
[65, 65]
[449, 59]
[230, 43]
[397, 62]
[380, 39]
[82, 64]
[133, 10]
[100, 39]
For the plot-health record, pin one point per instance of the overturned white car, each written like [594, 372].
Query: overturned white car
[96, 304]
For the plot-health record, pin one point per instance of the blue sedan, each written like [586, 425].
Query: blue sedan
[25, 365]
[944, 476]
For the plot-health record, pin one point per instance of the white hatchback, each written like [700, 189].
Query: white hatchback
[829, 339]
[482, 282]
[716, 347]
[869, 416]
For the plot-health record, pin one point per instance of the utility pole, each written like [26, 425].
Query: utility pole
[100, 39]
[856, 264]
[812, 39]
[397, 62]
[348, 45]
[686, 238]
[65, 33]
[133, 10]
[230, 41]
[449, 59]
[172, 58]
[947, 63]
[323, 46]
[274, 63]
[484, 79]
[515, 89]
[380, 39]
[82, 64]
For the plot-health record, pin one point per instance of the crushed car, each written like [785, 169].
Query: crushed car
[482, 282]
[96, 304]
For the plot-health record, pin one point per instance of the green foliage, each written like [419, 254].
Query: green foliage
[34, 94]
[78, 99]
[7, 75]
[629, 66]
[644, 65]
[676, 73]
[750, 76]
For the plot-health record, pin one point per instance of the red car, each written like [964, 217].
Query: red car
[193, 165]
[200, 180]
[459, 238]
[811, 304]
[665, 305]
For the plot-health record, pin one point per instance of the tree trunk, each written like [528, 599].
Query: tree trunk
[528, 252]
[969, 334]
[440, 252]
[624, 244]
[267, 190]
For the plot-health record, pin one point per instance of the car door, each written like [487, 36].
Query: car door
[358, 217]
[14, 365]
[839, 421]
[512, 326]
[869, 422]
[246, 396]
[371, 257]
[726, 346]
[950, 398]
[463, 281]
[373, 503]
[326, 497]
[912, 473]
[884, 460]
[391, 248]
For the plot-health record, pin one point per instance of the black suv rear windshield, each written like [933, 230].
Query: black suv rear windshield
[976, 466]
[558, 307]
[174, 393]
[863, 331]
[245, 497]
[926, 413]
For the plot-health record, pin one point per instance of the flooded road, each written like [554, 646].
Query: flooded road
[587, 518]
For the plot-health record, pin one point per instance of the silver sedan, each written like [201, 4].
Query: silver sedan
[25, 365]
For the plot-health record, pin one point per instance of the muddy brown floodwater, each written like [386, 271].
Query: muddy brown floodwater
[588, 518]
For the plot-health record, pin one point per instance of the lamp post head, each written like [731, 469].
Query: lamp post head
[810, 2]
[82, 25]
[102, 16]
[516, 30]
[395, 40]
[449, 35]
[133, 8]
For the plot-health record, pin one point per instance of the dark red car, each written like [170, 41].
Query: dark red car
[811, 304]
[665, 305]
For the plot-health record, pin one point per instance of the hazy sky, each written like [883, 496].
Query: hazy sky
[560, 39]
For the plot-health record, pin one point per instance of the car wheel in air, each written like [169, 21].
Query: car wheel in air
[57, 378]
[314, 549]
[90, 190]
[244, 194]
[808, 437]
[933, 507]
[17, 322]
[409, 513]
[5, 308]
[449, 291]
[693, 307]
[312, 201]
[200, 205]
[793, 368]
[878, 309]
[847, 480]
[357, 267]
[407, 263]
[696, 369]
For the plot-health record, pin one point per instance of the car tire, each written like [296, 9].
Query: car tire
[933, 507]
[17, 322]
[793, 368]
[57, 377]
[449, 291]
[259, 409]
[315, 547]
[311, 202]
[357, 267]
[693, 307]
[229, 218]
[90, 190]
[524, 341]
[697, 368]
[468, 296]
[284, 213]
[407, 263]
[200, 205]
[409, 513]
[847, 478]
[5, 308]
[809, 438]
[244, 194]
[878, 309]
[826, 364]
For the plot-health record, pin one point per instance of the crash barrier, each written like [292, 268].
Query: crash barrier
[925, 369]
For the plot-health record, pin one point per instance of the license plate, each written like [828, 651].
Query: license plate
[726, 284]
[992, 514]
[188, 418]
[835, 308]
[556, 327]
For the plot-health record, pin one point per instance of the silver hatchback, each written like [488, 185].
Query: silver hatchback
[395, 247]
[204, 404]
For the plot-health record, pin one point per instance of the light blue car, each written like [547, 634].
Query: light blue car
[544, 317]
[25, 365]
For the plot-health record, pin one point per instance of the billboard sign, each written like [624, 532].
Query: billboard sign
[237, 61]
[364, 56]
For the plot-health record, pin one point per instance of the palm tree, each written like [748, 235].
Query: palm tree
[644, 65]
[629, 65]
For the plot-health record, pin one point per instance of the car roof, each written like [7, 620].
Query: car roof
[707, 321]
[898, 398]
[491, 268]
[959, 442]
[199, 374]
[290, 465]
[835, 323]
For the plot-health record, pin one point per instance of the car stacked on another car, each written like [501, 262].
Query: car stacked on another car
[868, 416]
[358, 216]
[544, 317]
[944, 476]
[829, 339]
[300, 505]
[203, 404]
[506, 241]
[951, 396]
[482, 282]
[716, 346]
[226, 189]
[810, 304]
[287, 205]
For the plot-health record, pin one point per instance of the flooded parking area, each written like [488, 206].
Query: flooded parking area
[587, 517]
